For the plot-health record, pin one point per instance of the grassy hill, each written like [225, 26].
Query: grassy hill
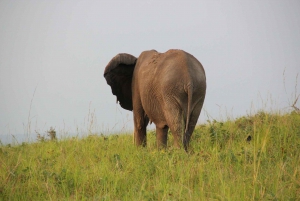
[251, 158]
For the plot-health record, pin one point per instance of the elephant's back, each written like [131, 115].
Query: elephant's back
[181, 71]
[163, 80]
[171, 72]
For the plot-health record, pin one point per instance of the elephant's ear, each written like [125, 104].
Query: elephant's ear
[118, 74]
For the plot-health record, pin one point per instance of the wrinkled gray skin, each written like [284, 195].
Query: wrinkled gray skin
[165, 88]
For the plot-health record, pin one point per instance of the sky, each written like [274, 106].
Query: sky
[53, 55]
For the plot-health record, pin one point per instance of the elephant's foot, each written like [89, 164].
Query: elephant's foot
[186, 140]
[140, 140]
[162, 137]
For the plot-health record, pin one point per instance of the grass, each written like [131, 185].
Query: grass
[223, 164]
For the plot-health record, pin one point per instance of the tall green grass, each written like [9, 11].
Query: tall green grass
[223, 163]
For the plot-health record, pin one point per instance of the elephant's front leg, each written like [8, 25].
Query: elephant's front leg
[140, 125]
[162, 136]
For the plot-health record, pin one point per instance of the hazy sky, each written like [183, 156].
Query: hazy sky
[59, 49]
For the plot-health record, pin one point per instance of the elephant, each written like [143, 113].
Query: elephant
[167, 89]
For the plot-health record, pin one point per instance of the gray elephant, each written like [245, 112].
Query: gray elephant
[165, 88]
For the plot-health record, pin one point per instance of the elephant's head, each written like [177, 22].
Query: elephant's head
[118, 74]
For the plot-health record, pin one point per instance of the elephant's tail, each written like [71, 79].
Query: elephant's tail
[187, 135]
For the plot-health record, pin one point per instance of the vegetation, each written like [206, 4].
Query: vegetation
[251, 158]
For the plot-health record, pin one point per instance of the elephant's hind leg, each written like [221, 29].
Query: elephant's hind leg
[162, 136]
[192, 123]
[176, 125]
